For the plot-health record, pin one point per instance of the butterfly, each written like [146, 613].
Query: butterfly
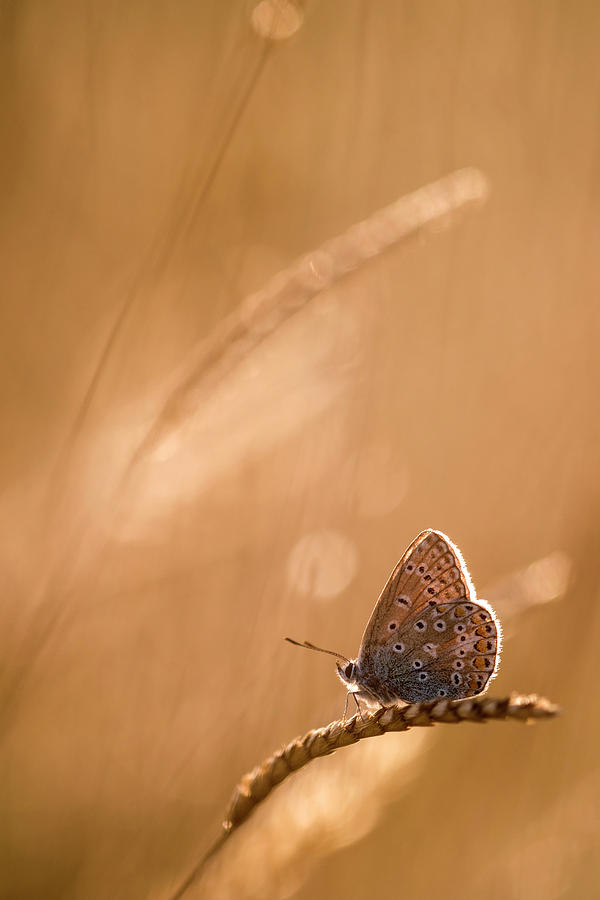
[428, 635]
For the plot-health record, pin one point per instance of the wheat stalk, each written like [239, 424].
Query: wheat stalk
[256, 785]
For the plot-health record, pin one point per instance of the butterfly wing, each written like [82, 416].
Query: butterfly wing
[428, 636]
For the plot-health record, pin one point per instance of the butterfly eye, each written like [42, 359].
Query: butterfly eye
[349, 670]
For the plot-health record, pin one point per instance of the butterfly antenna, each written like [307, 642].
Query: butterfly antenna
[308, 646]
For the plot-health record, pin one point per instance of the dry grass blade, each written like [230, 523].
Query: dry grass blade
[432, 206]
[258, 784]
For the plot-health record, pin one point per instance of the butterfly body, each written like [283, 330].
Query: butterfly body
[428, 636]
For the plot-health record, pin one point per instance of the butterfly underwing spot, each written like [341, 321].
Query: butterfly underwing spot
[442, 692]
[392, 625]
[440, 625]
[423, 676]
[399, 647]
[403, 600]
[445, 562]
[431, 649]
[435, 552]
[483, 646]
[443, 581]
[458, 664]
[417, 664]
[479, 617]
[420, 625]
[456, 678]
[459, 628]
[475, 682]
[452, 592]
[409, 568]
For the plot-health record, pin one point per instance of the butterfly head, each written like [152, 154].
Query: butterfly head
[348, 672]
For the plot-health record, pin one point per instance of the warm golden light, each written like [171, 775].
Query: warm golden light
[285, 283]
[276, 19]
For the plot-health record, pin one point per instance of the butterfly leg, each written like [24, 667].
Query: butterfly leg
[357, 706]
[346, 708]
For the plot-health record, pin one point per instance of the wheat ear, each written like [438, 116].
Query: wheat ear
[258, 784]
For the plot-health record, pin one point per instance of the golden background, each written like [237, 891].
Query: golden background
[159, 163]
